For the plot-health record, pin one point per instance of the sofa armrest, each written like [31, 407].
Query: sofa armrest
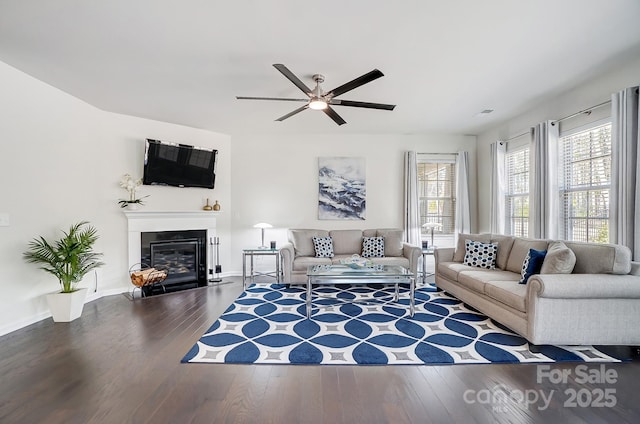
[584, 286]
[443, 254]
[413, 253]
[288, 255]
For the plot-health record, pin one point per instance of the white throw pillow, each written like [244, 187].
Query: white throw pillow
[559, 260]
[481, 255]
[323, 246]
[373, 247]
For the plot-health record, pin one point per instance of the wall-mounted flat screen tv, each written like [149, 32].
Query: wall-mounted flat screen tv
[179, 165]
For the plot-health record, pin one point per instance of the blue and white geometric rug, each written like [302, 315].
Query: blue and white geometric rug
[267, 324]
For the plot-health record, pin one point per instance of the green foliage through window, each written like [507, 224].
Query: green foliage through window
[585, 185]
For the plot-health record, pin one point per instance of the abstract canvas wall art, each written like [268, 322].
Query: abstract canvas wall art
[341, 188]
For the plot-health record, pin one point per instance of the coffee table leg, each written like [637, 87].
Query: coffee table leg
[397, 294]
[244, 271]
[252, 277]
[308, 297]
[412, 296]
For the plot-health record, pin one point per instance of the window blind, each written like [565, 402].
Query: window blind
[517, 192]
[585, 185]
[437, 190]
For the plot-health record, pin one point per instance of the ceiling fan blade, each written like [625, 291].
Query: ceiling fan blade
[352, 103]
[334, 115]
[291, 77]
[270, 98]
[290, 114]
[361, 80]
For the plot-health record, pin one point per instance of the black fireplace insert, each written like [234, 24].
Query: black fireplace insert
[183, 254]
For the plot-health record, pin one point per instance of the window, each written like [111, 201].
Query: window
[517, 192]
[585, 183]
[437, 191]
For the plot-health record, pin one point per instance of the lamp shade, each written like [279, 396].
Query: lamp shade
[262, 225]
[432, 225]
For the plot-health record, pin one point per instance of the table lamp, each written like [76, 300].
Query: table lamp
[432, 226]
[262, 226]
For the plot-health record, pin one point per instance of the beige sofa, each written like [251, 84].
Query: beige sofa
[300, 253]
[596, 301]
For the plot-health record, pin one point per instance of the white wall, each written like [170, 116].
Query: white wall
[60, 162]
[275, 180]
[591, 93]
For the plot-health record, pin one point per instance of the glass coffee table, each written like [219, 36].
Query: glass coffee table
[343, 274]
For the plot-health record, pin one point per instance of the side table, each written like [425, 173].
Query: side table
[251, 253]
[426, 252]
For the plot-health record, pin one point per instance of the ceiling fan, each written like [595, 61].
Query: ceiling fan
[318, 99]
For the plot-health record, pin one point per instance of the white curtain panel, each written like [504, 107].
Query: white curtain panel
[624, 198]
[543, 203]
[411, 206]
[496, 207]
[463, 212]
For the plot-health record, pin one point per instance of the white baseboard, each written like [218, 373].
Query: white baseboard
[13, 326]
[91, 296]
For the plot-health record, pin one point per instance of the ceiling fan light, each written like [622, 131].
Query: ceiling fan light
[317, 104]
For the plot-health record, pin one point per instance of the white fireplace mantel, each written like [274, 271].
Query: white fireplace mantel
[147, 221]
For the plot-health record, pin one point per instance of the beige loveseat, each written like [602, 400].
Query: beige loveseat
[595, 301]
[300, 252]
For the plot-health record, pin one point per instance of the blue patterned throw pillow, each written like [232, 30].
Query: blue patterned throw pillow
[323, 246]
[482, 255]
[373, 247]
[532, 264]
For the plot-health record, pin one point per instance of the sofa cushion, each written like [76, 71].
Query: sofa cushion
[505, 243]
[520, 249]
[471, 283]
[487, 275]
[508, 292]
[477, 280]
[393, 239]
[323, 247]
[532, 264]
[301, 263]
[458, 255]
[302, 241]
[373, 247]
[481, 255]
[592, 258]
[451, 269]
[346, 242]
[559, 260]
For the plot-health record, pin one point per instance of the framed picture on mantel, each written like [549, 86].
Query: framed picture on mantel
[341, 188]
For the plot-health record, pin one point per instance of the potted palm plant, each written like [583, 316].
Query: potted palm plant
[69, 259]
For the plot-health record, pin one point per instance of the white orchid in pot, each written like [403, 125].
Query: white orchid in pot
[131, 185]
[69, 259]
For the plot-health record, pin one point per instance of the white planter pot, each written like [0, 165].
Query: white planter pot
[66, 307]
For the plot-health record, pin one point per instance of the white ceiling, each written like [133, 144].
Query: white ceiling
[444, 61]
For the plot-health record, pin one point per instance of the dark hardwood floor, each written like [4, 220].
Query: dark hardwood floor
[120, 363]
